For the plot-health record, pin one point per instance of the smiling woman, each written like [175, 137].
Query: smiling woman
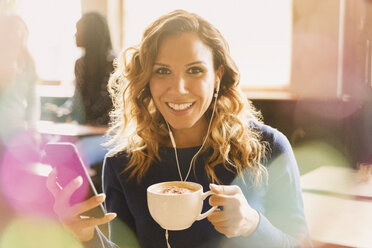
[182, 80]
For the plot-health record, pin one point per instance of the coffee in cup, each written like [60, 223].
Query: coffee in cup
[177, 205]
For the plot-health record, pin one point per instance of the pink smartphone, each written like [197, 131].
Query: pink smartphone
[65, 158]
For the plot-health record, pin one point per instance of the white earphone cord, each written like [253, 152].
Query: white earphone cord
[193, 158]
[205, 139]
[100, 238]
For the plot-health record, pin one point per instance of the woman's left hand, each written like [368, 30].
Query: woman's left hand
[237, 218]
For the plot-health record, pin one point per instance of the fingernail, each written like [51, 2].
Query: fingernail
[111, 215]
[79, 180]
[100, 197]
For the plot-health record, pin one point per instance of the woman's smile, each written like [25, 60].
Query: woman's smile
[180, 106]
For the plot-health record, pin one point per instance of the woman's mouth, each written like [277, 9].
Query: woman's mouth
[180, 106]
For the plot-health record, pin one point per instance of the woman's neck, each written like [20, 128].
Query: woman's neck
[191, 137]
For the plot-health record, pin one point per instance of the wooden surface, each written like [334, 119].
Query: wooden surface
[335, 220]
[69, 129]
[338, 206]
[338, 180]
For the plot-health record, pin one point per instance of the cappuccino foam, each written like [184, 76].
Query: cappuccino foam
[175, 190]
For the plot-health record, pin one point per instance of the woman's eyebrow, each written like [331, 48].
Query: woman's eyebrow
[195, 62]
[161, 64]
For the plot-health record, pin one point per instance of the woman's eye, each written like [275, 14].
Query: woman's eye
[194, 70]
[162, 71]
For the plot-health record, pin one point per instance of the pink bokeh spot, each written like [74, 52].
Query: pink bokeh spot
[25, 190]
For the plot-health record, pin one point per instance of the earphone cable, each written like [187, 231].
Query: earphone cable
[193, 160]
[100, 238]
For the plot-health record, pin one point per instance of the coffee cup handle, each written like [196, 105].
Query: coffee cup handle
[206, 214]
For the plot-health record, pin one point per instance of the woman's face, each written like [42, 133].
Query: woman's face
[183, 80]
[78, 35]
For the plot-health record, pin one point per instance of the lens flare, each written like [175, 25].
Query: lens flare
[22, 180]
[37, 232]
[316, 153]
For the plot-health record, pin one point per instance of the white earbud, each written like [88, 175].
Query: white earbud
[217, 89]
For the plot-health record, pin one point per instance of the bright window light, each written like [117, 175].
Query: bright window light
[51, 24]
[258, 32]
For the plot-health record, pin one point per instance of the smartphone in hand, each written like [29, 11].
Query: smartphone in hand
[65, 158]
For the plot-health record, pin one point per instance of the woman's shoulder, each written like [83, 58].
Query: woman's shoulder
[277, 141]
[268, 133]
[79, 62]
[117, 160]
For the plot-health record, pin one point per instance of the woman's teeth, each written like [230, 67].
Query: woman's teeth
[182, 106]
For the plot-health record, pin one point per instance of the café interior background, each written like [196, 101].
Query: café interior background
[306, 64]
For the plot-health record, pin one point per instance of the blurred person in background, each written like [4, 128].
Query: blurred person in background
[91, 102]
[19, 108]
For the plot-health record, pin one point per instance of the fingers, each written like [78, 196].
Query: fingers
[237, 217]
[91, 221]
[225, 230]
[89, 204]
[225, 189]
[225, 195]
[71, 216]
[62, 197]
[223, 200]
[83, 227]
[71, 187]
[217, 216]
[50, 107]
[51, 182]
[222, 223]
[55, 188]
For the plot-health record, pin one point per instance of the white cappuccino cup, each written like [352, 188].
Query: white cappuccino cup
[177, 205]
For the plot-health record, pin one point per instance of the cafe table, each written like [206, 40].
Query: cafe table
[338, 206]
[69, 129]
[74, 133]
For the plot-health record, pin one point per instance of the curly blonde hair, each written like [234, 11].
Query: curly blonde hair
[139, 129]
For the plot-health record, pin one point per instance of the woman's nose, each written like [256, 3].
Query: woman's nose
[180, 85]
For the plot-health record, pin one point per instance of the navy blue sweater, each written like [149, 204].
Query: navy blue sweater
[279, 202]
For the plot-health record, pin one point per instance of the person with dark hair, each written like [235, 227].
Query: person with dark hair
[91, 102]
[180, 116]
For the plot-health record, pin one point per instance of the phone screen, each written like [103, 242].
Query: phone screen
[65, 158]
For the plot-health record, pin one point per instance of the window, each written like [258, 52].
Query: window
[51, 25]
[258, 32]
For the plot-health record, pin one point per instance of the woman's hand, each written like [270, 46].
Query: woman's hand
[82, 227]
[237, 218]
[58, 111]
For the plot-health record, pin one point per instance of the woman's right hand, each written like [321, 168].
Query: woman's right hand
[70, 215]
